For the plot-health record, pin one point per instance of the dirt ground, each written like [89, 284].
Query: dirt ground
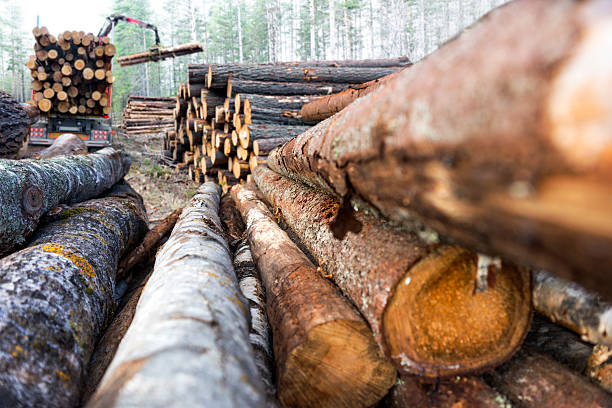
[162, 189]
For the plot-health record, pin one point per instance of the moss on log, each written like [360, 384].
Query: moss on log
[30, 188]
[56, 296]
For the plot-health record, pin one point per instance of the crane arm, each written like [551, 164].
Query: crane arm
[112, 20]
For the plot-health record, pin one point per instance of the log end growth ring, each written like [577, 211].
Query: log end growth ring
[336, 356]
[438, 324]
[31, 201]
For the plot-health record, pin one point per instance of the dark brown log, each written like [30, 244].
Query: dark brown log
[14, 125]
[160, 54]
[265, 146]
[317, 333]
[285, 88]
[287, 118]
[458, 151]
[30, 188]
[531, 379]
[276, 102]
[65, 144]
[57, 294]
[148, 245]
[419, 297]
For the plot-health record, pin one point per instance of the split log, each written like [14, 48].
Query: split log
[317, 333]
[458, 151]
[57, 294]
[14, 125]
[65, 144]
[160, 54]
[571, 306]
[148, 245]
[30, 188]
[419, 297]
[190, 322]
[534, 380]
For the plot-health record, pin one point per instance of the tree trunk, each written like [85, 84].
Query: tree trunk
[14, 126]
[190, 331]
[569, 305]
[317, 333]
[264, 146]
[30, 188]
[65, 144]
[282, 103]
[424, 310]
[331, 52]
[57, 295]
[433, 149]
[162, 54]
[311, 28]
[534, 380]
[149, 244]
[284, 88]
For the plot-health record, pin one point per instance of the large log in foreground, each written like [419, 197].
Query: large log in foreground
[57, 294]
[522, 171]
[160, 54]
[420, 299]
[14, 125]
[325, 353]
[29, 188]
[188, 342]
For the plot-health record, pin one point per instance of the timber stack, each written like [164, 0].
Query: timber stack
[71, 73]
[148, 114]
[228, 117]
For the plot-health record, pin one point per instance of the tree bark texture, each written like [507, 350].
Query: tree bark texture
[282, 88]
[465, 164]
[418, 296]
[56, 296]
[30, 188]
[325, 354]
[570, 305]
[65, 144]
[364, 63]
[282, 102]
[534, 380]
[188, 343]
[14, 126]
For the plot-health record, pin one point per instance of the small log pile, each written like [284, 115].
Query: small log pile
[71, 73]
[228, 117]
[148, 114]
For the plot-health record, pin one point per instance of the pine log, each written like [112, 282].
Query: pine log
[571, 306]
[284, 88]
[329, 105]
[288, 118]
[14, 125]
[148, 245]
[458, 151]
[317, 333]
[278, 102]
[188, 341]
[65, 144]
[57, 294]
[261, 131]
[30, 188]
[160, 54]
[264, 146]
[418, 296]
[534, 380]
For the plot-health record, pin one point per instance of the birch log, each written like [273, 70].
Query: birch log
[57, 294]
[188, 343]
[325, 354]
[29, 188]
[419, 297]
[507, 152]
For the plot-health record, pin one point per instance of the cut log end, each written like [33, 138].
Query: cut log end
[438, 324]
[364, 379]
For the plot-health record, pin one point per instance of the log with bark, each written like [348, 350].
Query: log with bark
[325, 354]
[419, 296]
[30, 188]
[531, 379]
[188, 340]
[149, 114]
[458, 152]
[65, 144]
[160, 54]
[14, 126]
[57, 294]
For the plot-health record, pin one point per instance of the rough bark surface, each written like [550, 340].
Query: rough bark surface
[452, 140]
[534, 380]
[57, 295]
[282, 88]
[418, 296]
[30, 188]
[287, 102]
[325, 354]
[65, 144]
[14, 125]
[188, 343]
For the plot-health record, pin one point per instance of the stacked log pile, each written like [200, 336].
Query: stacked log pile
[71, 73]
[15, 121]
[148, 114]
[228, 117]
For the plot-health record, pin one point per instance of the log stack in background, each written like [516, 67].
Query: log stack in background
[71, 73]
[148, 114]
[228, 117]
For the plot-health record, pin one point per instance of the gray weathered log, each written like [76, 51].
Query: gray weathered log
[188, 344]
[29, 188]
[65, 144]
[57, 294]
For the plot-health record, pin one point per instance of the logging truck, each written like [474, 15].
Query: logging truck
[95, 131]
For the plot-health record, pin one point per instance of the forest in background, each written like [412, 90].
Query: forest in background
[251, 31]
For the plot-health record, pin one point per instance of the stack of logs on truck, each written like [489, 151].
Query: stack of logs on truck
[148, 114]
[228, 117]
[71, 73]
